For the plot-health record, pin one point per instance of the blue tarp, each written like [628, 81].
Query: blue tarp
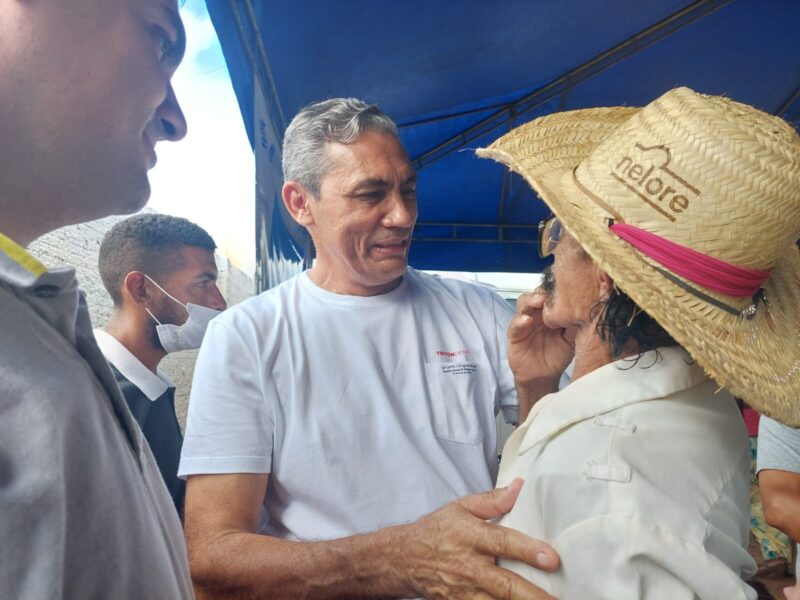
[456, 74]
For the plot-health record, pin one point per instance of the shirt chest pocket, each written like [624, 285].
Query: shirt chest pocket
[459, 398]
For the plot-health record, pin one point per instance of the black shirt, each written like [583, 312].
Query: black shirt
[161, 429]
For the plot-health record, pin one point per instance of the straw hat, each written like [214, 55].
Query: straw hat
[705, 173]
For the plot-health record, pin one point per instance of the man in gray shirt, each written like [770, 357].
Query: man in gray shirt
[85, 96]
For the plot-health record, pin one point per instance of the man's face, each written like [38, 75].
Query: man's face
[571, 286]
[86, 96]
[363, 218]
[194, 281]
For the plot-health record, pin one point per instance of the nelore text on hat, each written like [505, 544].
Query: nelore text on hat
[645, 178]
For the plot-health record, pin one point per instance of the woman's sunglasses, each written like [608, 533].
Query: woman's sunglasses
[549, 235]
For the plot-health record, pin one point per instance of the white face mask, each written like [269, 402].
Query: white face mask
[188, 336]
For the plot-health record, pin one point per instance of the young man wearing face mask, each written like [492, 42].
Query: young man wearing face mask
[161, 274]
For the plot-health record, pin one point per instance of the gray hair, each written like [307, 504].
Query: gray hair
[338, 120]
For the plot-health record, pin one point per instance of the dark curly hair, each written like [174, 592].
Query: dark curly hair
[147, 243]
[627, 327]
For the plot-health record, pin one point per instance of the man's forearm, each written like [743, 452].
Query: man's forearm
[246, 565]
[449, 553]
[780, 495]
[530, 392]
[783, 512]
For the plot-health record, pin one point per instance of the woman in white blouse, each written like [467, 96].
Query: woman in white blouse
[670, 268]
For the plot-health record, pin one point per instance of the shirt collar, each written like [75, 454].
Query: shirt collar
[18, 266]
[611, 387]
[151, 384]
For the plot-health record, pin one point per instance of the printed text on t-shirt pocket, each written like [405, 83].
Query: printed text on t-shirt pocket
[456, 391]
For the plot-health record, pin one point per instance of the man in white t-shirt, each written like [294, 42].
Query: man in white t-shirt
[332, 413]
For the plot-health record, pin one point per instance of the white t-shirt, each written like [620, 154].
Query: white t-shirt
[365, 411]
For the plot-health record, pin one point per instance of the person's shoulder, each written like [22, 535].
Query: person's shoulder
[43, 380]
[692, 407]
[457, 288]
[266, 305]
[30, 341]
[471, 300]
[778, 429]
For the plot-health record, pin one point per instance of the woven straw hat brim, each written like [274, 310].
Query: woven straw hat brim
[757, 360]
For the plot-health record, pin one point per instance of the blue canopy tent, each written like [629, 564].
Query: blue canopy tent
[455, 75]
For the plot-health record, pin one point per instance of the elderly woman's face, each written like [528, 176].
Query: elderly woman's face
[572, 286]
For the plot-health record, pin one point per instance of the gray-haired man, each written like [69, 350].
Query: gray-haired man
[352, 401]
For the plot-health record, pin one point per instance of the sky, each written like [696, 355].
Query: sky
[209, 177]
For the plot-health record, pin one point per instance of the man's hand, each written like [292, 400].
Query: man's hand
[451, 553]
[448, 554]
[535, 351]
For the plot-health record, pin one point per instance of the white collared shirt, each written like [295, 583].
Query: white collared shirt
[638, 476]
[152, 385]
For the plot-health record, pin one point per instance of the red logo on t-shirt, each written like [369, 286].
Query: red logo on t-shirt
[454, 354]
